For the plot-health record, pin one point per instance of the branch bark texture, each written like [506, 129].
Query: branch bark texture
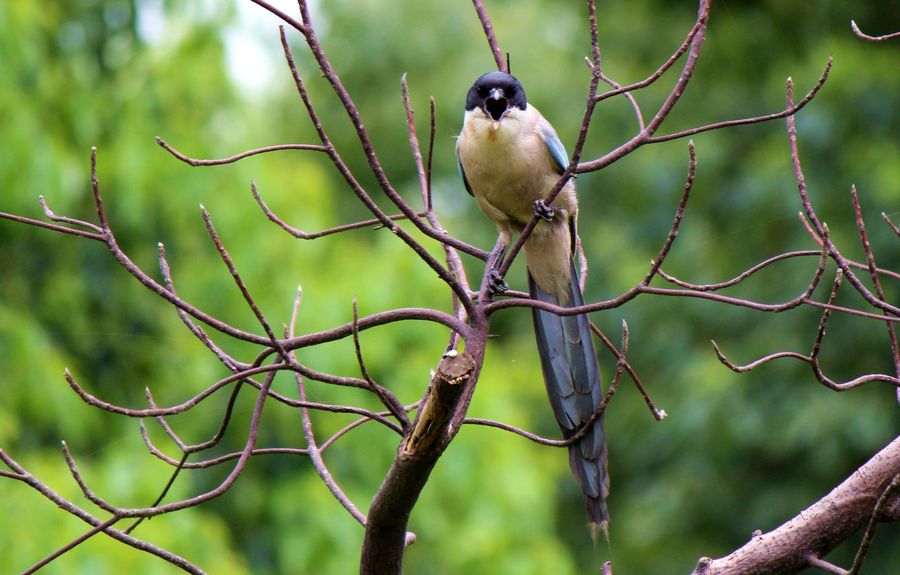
[819, 528]
[386, 536]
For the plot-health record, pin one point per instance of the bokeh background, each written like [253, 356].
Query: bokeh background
[737, 452]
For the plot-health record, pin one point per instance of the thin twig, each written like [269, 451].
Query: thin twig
[788, 111]
[374, 164]
[886, 495]
[73, 509]
[813, 358]
[658, 414]
[865, 36]
[236, 157]
[300, 234]
[162, 493]
[228, 361]
[854, 264]
[387, 399]
[311, 447]
[873, 273]
[820, 563]
[66, 220]
[890, 224]
[502, 64]
[232, 269]
[454, 264]
[679, 215]
[54, 227]
[71, 545]
[817, 224]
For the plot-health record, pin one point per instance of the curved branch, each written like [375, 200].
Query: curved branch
[741, 276]
[818, 529]
[54, 227]
[865, 36]
[236, 157]
[22, 475]
[820, 227]
[374, 164]
[300, 234]
[788, 111]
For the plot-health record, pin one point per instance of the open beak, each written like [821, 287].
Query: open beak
[496, 105]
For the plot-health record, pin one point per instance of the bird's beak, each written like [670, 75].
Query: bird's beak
[496, 105]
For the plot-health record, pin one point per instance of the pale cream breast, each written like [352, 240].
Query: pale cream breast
[508, 165]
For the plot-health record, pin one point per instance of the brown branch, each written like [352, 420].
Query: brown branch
[375, 165]
[226, 360]
[386, 534]
[374, 320]
[300, 27]
[120, 256]
[51, 215]
[54, 227]
[788, 111]
[658, 414]
[178, 408]
[502, 65]
[679, 215]
[818, 529]
[657, 74]
[231, 159]
[741, 276]
[890, 224]
[387, 399]
[242, 287]
[300, 234]
[813, 358]
[454, 264]
[665, 108]
[312, 448]
[865, 36]
[854, 264]
[873, 273]
[887, 495]
[804, 298]
[825, 565]
[71, 545]
[817, 224]
[646, 134]
[22, 475]
[621, 367]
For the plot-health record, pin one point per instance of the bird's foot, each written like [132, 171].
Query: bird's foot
[543, 211]
[496, 284]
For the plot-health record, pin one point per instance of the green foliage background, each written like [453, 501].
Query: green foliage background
[737, 452]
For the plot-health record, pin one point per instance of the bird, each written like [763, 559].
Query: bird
[509, 157]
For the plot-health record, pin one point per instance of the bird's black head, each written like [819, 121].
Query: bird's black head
[495, 93]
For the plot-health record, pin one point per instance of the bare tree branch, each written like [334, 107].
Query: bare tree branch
[300, 234]
[231, 159]
[490, 36]
[819, 528]
[865, 36]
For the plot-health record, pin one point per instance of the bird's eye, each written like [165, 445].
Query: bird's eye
[482, 91]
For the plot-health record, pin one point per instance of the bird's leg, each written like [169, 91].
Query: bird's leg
[543, 211]
[496, 284]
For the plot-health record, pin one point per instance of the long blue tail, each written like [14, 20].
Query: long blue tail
[572, 377]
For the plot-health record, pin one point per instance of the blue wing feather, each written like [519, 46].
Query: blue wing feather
[554, 146]
[462, 173]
